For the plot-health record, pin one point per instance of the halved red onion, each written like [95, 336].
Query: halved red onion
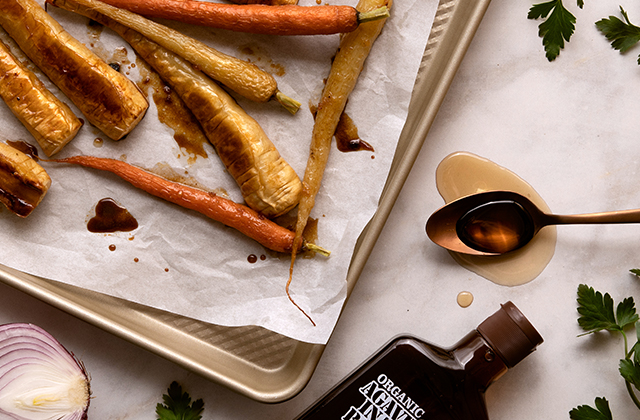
[39, 378]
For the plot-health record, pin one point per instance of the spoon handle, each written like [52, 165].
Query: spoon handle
[622, 216]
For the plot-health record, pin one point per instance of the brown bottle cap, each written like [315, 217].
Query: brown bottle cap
[510, 334]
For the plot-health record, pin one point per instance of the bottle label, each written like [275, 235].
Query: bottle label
[384, 400]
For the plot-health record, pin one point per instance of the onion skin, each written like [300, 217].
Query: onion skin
[39, 378]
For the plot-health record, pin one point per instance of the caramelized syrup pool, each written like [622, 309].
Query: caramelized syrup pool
[461, 174]
[111, 217]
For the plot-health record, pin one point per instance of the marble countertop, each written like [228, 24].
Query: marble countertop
[569, 129]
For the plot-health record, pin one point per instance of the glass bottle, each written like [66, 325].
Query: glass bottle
[410, 379]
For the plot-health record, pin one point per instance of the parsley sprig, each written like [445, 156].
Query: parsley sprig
[559, 24]
[585, 412]
[598, 312]
[557, 28]
[178, 405]
[623, 35]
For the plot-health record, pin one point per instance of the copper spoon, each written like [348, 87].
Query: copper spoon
[497, 222]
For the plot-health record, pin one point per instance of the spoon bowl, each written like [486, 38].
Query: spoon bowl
[497, 222]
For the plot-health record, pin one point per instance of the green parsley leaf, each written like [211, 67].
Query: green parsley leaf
[557, 28]
[630, 371]
[597, 314]
[178, 405]
[585, 412]
[626, 313]
[595, 309]
[635, 271]
[623, 35]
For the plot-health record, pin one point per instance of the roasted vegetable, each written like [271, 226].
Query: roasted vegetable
[23, 182]
[268, 183]
[242, 218]
[107, 98]
[346, 67]
[49, 120]
[255, 18]
[238, 75]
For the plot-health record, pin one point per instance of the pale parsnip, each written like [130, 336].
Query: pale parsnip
[242, 77]
[346, 68]
[105, 97]
[47, 118]
[268, 183]
[23, 182]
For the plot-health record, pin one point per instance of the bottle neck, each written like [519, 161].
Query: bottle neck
[479, 360]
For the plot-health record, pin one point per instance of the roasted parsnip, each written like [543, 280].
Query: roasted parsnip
[268, 183]
[23, 182]
[347, 65]
[242, 77]
[107, 98]
[48, 119]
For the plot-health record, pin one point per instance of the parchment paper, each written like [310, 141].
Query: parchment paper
[182, 262]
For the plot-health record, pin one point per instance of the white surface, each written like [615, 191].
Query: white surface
[569, 128]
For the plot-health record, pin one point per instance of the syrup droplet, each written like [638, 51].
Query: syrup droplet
[347, 137]
[346, 134]
[111, 217]
[464, 299]
[112, 247]
[252, 258]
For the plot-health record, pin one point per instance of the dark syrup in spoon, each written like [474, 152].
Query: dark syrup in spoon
[496, 226]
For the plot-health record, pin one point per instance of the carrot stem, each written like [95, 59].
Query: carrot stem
[375, 14]
[287, 102]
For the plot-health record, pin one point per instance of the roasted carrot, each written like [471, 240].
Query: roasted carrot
[47, 118]
[256, 18]
[237, 216]
[267, 182]
[347, 65]
[272, 2]
[238, 75]
[107, 98]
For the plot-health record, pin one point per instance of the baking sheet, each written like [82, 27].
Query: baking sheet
[181, 262]
[272, 367]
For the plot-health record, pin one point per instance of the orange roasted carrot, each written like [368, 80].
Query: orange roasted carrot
[255, 18]
[273, 2]
[237, 216]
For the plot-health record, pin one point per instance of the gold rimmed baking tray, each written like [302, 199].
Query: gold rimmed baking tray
[251, 360]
